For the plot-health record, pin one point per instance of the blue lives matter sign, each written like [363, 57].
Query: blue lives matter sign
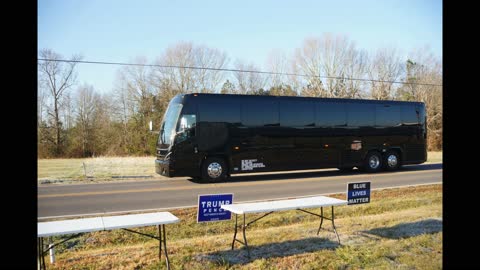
[209, 207]
[358, 193]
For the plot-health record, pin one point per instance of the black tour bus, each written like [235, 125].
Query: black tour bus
[211, 136]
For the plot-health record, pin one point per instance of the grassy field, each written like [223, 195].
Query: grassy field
[99, 168]
[400, 229]
[112, 168]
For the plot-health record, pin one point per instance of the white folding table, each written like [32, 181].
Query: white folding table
[83, 225]
[280, 205]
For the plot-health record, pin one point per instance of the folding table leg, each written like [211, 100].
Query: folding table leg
[40, 252]
[165, 246]
[321, 220]
[333, 224]
[43, 257]
[245, 236]
[159, 242]
[235, 233]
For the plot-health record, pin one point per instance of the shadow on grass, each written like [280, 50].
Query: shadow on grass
[286, 248]
[405, 230]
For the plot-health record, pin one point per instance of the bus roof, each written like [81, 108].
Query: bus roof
[236, 97]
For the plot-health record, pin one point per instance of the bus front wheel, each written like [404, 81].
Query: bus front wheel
[214, 170]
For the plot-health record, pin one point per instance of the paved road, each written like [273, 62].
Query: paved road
[161, 193]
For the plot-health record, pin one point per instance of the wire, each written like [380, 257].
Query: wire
[230, 70]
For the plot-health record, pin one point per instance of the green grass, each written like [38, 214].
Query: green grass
[113, 168]
[400, 229]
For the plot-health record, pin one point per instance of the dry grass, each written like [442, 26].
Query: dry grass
[112, 168]
[98, 168]
[400, 229]
[435, 156]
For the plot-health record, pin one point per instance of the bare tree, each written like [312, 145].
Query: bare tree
[58, 77]
[67, 107]
[227, 88]
[106, 134]
[423, 73]
[277, 63]
[385, 66]
[248, 82]
[329, 61]
[334, 50]
[181, 80]
[209, 80]
[139, 88]
[86, 101]
[41, 100]
[42, 130]
[308, 60]
[297, 83]
[174, 79]
[122, 108]
[135, 94]
[356, 65]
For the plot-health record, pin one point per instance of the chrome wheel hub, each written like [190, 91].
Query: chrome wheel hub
[392, 161]
[374, 162]
[214, 170]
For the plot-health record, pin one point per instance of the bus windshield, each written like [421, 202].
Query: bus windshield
[169, 122]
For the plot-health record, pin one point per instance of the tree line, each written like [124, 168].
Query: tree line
[75, 120]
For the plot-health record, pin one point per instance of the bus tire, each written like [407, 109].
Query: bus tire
[391, 160]
[214, 170]
[373, 162]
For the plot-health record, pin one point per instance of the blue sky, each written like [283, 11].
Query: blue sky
[120, 30]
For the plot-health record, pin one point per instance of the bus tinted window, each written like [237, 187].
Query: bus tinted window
[297, 114]
[259, 114]
[330, 114]
[387, 115]
[230, 113]
[360, 115]
[409, 115]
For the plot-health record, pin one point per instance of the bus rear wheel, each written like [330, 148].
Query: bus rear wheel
[391, 160]
[214, 170]
[373, 162]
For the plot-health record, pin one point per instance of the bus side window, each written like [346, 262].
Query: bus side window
[259, 114]
[330, 114]
[187, 121]
[387, 116]
[409, 115]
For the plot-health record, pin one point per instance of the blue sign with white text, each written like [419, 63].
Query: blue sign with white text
[209, 207]
[358, 193]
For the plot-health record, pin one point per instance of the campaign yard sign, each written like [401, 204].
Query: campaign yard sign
[358, 193]
[209, 207]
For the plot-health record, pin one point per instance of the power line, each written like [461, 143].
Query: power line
[230, 70]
